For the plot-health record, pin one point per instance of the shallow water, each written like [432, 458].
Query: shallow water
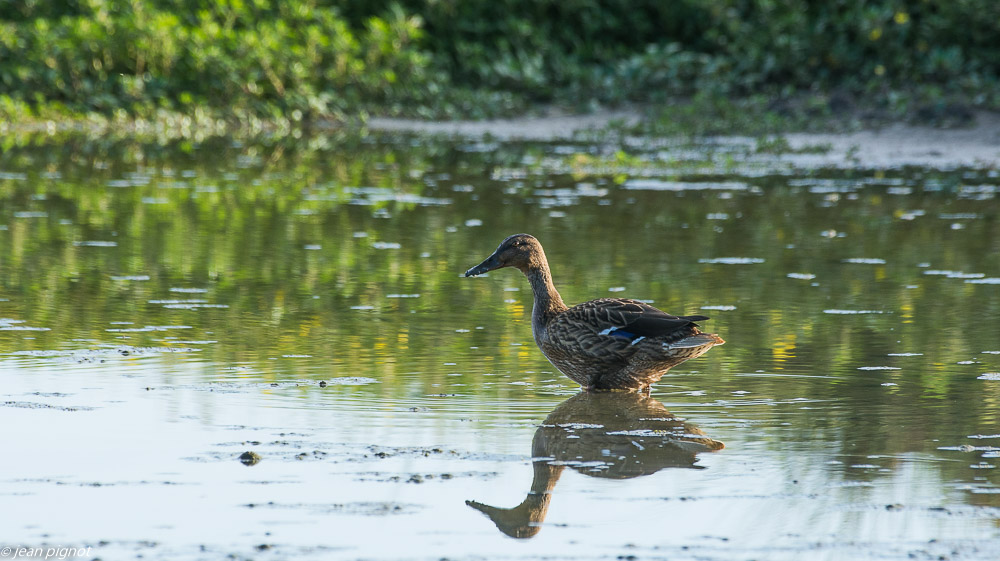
[166, 308]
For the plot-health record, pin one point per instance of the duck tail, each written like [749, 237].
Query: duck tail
[699, 339]
[695, 318]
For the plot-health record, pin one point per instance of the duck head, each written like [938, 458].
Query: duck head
[521, 251]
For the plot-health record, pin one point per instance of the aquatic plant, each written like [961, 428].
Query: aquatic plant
[302, 59]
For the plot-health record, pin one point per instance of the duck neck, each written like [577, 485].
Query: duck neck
[547, 299]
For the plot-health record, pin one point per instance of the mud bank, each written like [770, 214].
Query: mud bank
[891, 146]
[549, 127]
[908, 145]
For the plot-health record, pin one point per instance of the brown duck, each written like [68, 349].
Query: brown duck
[603, 344]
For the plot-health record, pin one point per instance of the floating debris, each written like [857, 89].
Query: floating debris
[350, 509]
[865, 260]
[479, 147]
[352, 381]
[249, 458]
[664, 185]
[912, 214]
[732, 260]
[149, 328]
[7, 324]
[954, 274]
[367, 196]
[34, 405]
[97, 355]
[988, 280]
[132, 182]
[965, 448]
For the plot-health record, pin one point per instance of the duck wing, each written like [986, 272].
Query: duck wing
[617, 315]
[608, 327]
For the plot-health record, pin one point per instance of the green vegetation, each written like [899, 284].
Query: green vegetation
[297, 60]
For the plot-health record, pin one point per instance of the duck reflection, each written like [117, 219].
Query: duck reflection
[616, 435]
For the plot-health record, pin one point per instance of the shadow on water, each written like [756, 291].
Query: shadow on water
[613, 435]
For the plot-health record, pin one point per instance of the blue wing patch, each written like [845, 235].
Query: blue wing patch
[615, 332]
[623, 334]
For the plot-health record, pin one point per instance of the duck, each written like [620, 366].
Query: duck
[603, 344]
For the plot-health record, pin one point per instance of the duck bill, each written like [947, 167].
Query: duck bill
[486, 266]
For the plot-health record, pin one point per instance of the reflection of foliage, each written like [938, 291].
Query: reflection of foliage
[236, 219]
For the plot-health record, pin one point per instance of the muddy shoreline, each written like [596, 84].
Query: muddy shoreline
[894, 145]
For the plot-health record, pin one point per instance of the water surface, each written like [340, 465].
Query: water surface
[165, 308]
